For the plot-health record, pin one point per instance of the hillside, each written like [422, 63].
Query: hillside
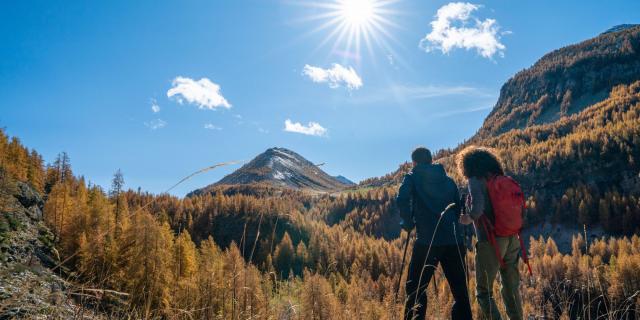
[30, 287]
[568, 128]
[280, 167]
[582, 169]
[565, 81]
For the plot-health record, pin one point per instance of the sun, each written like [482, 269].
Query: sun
[353, 24]
[357, 13]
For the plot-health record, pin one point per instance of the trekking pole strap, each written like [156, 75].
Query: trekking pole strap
[525, 257]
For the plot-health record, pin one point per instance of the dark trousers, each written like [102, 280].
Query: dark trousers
[453, 264]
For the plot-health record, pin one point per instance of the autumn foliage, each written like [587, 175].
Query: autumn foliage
[243, 252]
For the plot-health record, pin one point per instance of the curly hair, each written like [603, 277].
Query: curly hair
[478, 162]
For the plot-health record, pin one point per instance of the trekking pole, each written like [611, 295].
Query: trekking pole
[404, 258]
[424, 264]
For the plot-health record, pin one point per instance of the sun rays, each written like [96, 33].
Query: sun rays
[352, 25]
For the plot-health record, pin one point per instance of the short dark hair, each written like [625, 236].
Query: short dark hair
[421, 155]
[478, 162]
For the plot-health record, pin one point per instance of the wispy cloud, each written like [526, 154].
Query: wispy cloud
[455, 26]
[154, 106]
[311, 129]
[336, 76]
[155, 124]
[413, 92]
[347, 55]
[461, 111]
[404, 93]
[211, 126]
[203, 93]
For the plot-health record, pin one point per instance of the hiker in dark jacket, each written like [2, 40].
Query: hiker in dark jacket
[477, 165]
[425, 192]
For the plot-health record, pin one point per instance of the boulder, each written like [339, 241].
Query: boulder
[28, 197]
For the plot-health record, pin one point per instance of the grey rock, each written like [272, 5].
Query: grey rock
[28, 197]
[13, 313]
[45, 258]
[34, 212]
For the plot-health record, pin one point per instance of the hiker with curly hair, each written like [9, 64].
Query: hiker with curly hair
[499, 246]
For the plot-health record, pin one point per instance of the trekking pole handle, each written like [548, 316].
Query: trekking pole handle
[451, 205]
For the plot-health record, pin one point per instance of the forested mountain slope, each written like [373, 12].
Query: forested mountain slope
[582, 169]
[565, 81]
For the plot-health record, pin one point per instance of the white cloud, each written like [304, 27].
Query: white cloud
[155, 124]
[336, 76]
[154, 106]
[203, 93]
[312, 129]
[456, 27]
[210, 126]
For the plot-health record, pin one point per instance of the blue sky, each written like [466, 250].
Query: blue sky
[82, 77]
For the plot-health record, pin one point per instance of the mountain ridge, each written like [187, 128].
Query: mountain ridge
[281, 168]
[621, 27]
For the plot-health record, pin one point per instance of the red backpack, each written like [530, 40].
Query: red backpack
[507, 200]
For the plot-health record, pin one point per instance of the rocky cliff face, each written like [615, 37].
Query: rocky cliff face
[566, 81]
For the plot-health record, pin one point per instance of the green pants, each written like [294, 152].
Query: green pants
[487, 266]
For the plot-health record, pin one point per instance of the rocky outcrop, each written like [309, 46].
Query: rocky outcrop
[30, 199]
[29, 287]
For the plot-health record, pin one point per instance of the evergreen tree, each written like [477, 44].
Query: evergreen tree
[284, 255]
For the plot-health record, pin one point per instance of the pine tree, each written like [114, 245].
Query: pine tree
[35, 171]
[584, 216]
[210, 280]
[149, 269]
[117, 183]
[605, 214]
[184, 256]
[318, 301]
[7, 189]
[301, 258]
[284, 255]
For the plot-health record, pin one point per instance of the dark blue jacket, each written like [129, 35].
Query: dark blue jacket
[425, 192]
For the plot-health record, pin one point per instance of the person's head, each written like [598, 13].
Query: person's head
[478, 162]
[421, 155]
